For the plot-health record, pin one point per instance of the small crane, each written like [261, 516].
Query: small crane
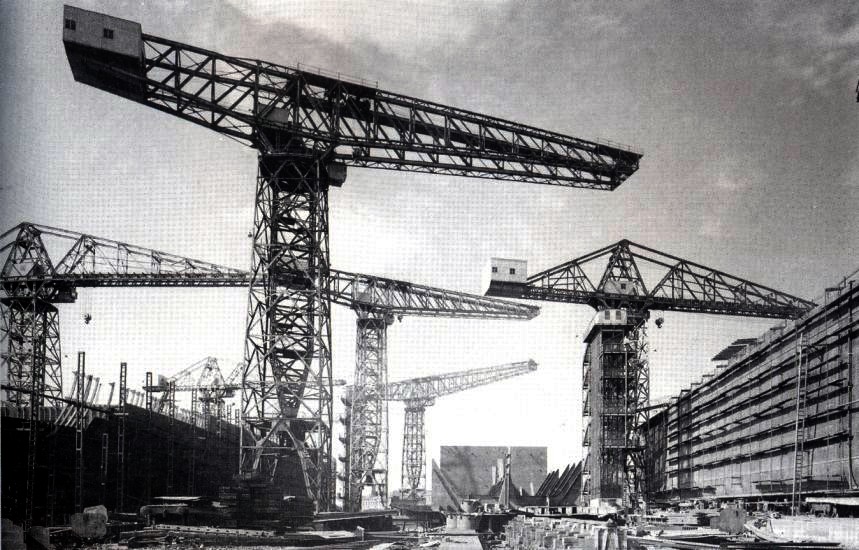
[419, 393]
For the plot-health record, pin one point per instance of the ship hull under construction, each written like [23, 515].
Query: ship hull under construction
[161, 457]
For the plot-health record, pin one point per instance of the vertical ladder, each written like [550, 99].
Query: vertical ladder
[120, 439]
[79, 433]
[799, 434]
[193, 452]
[171, 435]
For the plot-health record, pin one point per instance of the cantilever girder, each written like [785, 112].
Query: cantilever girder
[377, 301]
[683, 286]
[616, 368]
[90, 261]
[420, 393]
[379, 294]
[275, 108]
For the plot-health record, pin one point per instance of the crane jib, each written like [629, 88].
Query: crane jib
[275, 109]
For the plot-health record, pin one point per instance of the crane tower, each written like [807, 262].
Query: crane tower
[308, 128]
[419, 393]
[616, 375]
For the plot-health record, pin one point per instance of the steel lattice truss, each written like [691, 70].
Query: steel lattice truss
[684, 286]
[368, 413]
[204, 380]
[432, 387]
[377, 302]
[91, 261]
[612, 435]
[275, 108]
[308, 127]
[32, 282]
[31, 325]
[371, 293]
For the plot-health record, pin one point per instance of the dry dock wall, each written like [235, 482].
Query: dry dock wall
[733, 434]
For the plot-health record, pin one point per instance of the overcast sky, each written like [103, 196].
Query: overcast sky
[746, 113]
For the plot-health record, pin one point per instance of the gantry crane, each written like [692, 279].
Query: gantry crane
[308, 128]
[32, 283]
[419, 393]
[615, 368]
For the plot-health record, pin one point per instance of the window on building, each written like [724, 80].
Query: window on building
[70, 24]
[623, 286]
[617, 315]
[494, 269]
[512, 271]
[607, 315]
[108, 33]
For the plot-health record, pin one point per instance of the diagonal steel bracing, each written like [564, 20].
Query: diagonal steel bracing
[286, 395]
[616, 369]
[368, 468]
[414, 446]
[309, 126]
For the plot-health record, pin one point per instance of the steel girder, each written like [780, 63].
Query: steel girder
[684, 286]
[420, 393]
[31, 352]
[619, 409]
[307, 116]
[431, 387]
[287, 385]
[91, 261]
[368, 426]
[274, 108]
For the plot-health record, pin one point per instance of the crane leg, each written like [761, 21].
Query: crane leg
[368, 434]
[30, 340]
[618, 395]
[414, 455]
[288, 343]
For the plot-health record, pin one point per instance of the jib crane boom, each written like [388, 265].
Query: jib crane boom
[308, 128]
[616, 372]
[419, 393]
